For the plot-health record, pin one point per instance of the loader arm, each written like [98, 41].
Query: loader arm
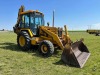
[54, 36]
[68, 40]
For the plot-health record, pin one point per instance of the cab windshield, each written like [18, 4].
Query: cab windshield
[35, 21]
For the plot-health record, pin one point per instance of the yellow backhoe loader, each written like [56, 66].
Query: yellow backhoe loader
[31, 31]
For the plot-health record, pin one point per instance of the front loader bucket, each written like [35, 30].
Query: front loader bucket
[76, 54]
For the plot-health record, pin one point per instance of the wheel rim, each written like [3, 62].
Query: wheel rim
[22, 41]
[44, 49]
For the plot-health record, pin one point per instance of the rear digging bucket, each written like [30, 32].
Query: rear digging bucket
[76, 54]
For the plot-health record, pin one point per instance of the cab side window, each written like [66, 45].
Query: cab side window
[25, 21]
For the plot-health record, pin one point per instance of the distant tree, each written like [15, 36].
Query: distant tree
[3, 29]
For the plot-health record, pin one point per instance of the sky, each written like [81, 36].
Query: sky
[76, 14]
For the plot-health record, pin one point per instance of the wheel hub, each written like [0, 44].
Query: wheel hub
[22, 41]
[44, 49]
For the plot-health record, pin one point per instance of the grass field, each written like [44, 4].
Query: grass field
[14, 61]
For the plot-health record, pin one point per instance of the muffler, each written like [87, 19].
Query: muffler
[75, 54]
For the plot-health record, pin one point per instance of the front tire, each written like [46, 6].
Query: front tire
[23, 40]
[46, 48]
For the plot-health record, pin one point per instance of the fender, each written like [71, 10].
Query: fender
[29, 32]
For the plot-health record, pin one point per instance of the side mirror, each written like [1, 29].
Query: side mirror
[47, 23]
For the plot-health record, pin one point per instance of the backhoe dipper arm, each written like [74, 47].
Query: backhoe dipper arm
[22, 9]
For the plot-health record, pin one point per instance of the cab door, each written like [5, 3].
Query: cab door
[25, 21]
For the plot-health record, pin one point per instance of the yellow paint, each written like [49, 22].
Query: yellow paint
[54, 37]
[29, 31]
[33, 42]
[31, 11]
[22, 41]
[46, 38]
[67, 38]
[91, 31]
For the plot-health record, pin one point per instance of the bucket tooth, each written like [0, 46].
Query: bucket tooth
[75, 55]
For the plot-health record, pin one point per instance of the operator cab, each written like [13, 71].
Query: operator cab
[31, 20]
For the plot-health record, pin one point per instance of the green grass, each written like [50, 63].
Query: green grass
[14, 61]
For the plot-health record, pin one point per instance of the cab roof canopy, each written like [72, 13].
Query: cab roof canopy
[31, 11]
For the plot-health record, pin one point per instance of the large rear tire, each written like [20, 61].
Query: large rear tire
[23, 40]
[46, 48]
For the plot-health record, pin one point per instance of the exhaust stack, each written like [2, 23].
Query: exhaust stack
[53, 18]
